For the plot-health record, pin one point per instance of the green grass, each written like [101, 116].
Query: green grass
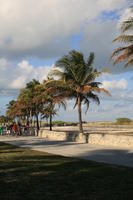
[28, 175]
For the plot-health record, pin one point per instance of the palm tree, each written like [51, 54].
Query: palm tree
[12, 109]
[52, 97]
[28, 103]
[77, 80]
[25, 103]
[125, 53]
[48, 112]
[31, 88]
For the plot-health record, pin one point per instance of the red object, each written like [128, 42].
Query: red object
[14, 128]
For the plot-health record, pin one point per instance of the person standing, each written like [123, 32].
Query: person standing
[14, 128]
[1, 130]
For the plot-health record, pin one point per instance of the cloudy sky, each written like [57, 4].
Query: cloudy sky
[34, 34]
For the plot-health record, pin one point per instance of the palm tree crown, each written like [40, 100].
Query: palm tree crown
[78, 76]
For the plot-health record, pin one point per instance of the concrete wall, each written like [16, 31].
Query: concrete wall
[119, 140]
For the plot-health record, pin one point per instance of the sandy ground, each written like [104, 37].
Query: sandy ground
[116, 129]
[111, 155]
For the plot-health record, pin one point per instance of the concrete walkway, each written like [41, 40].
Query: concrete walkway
[112, 155]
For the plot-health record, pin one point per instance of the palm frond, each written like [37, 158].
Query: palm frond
[85, 89]
[76, 103]
[117, 51]
[90, 59]
[120, 58]
[95, 84]
[55, 72]
[87, 103]
[99, 90]
[93, 97]
[77, 58]
[128, 24]
[124, 38]
[129, 61]
[124, 53]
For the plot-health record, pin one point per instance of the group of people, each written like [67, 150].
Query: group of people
[14, 129]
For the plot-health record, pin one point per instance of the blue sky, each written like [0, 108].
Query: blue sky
[35, 39]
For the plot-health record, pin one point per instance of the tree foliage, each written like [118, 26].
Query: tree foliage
[77, 79]
[125, 53]
[123, 121]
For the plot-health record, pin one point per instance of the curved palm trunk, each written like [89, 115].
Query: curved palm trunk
[80, 115]
[50, 122]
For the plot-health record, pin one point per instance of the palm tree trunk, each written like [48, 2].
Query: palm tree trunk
[27, 119]
[80, 115]
[30, 118]
[37, 123]
[40, 123]
[47, 121]
[50, 122]
[34, 122]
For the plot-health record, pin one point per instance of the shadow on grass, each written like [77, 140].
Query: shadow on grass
[41, 142]
[34, 175]
[10, 151]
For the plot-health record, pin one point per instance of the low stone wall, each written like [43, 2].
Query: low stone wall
[119, 140]
[60, 136]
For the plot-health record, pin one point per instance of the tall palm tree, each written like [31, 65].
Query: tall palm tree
[125, 53]
[77, 77]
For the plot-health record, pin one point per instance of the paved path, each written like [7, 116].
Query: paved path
[98, 153]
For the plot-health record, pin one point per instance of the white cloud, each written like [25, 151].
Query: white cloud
[115, 85]
[110, 4]
[41, 28]
[24, 65]
[18, 83]
[13, 77]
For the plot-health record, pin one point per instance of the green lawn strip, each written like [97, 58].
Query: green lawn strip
[27, 174]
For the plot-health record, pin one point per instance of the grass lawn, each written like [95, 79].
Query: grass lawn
[26, 175]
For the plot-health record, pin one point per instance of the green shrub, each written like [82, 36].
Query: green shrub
[123, 121]
[70, 124]
[62, 123]
[58, 123]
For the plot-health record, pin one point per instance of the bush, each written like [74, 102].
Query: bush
[58, 123]
[123, 121]
[62, 123]
[70, 124]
